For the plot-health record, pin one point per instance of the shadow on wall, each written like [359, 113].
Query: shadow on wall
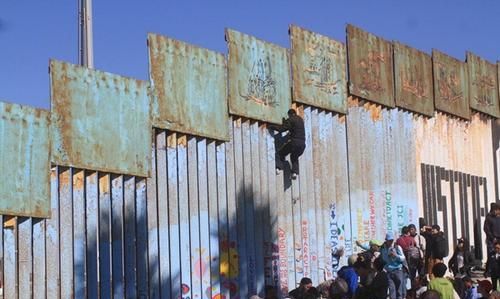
[124, 258]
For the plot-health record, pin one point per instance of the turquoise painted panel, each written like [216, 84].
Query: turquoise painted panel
[24, 161]
[319, 70]
[483, 85]
[100, 121]
[450, 85]
[259, 78]
[189, 87]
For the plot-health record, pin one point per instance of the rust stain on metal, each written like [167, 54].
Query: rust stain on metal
[96, 115]
[172, 140]
[375, 111]
[104, 184]
[78, 182]
[319, 70]
[413, 78]
[259, 78]
[483, 85]
[182, 141]
[189, 88]
[450, 85]
[370, 66]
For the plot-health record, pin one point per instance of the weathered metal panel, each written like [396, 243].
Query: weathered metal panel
[370, 66]
[130, 252]
[483, 85]
[141, 238]
[96, 115]
[259, 78]
[189, 86]
[52, 238]
[450, 85]
[202, 262]
[318, 70]
[455, 175]
[24, 151]
[413, 79]
[39, 276]
[214, 287]
[10, 259]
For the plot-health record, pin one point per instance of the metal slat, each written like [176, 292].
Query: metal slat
[79, 240]
[203, 264]
[214, 260]
[92, 210]
[117, 235]
[174, 217]
[10, 283]
[266, 227]
[240, 207]
[223, 220]
[152, 210]
[2, 260]
[162, 184]
[25, 253]
[105, 274]
[66, 231]
[231, 280]
[249, 208]
[259, 208]
[142, 238]
[130, 252]
[52, 238]
[39, 260]
[184, 191]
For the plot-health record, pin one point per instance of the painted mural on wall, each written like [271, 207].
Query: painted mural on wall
[413, 79]
[259, 72]
[483, 85]
[450, 85]
[458, 202]
[319, 70]
[382, 174]
[189, 86]
[370, 66]
[454, 160]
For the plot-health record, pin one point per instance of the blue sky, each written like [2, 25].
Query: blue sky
[32, 32]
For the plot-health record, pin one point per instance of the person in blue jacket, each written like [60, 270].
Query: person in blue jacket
[348, 273]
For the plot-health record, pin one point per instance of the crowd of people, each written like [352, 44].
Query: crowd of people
[412, 266]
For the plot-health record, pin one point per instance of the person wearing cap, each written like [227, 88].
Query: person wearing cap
[371, 252]
[301, 291]
[491, 226]
[394, 259]
[294, 144]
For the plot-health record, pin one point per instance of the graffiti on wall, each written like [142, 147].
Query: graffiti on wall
[461, 198]
[271, 263]
[229, 266]
[336, 234]
[283, 261]
[261, 87]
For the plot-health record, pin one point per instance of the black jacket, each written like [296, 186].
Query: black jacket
[468, 262]
[492, 226]
[295, 125]
[377, 289]
[493, 265]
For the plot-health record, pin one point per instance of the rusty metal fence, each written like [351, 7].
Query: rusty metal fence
[214, 219]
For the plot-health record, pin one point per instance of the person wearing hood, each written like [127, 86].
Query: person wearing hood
[462, 259]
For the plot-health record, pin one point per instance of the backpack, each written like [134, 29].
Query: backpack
[413, 252]
[440, 249]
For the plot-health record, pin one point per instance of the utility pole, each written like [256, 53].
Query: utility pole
[85, 40]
